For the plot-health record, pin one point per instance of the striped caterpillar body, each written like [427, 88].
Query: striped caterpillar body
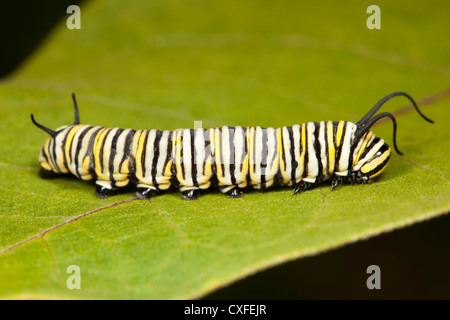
[230, 158]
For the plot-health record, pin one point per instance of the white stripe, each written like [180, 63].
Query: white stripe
[149, 155]
[370, 154]
[120, 148]
[297, 134]
[200, 153]
[107, 154]
[73, 151]
[346, 149]
[60, 154]
[256, 182]
[83, 152]
[163, 148]
[313, 164]
[323, 149]
[272, 151]
[225, 152]
[239, 149]
[287, 155]
[187, 159]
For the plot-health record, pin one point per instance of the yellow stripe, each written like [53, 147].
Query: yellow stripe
[363, 146]
[218, 153]
[124, 168]
[97, 143]
[47, 165]
[69, 138]
[178, 158]
[250, 143]
[85, 165]
[280, 155]
[106, 155]
[167, 175]
[208, 163]
[340, 130]
[136, 138]
[244, 172]
[87, 159]
[139, 150]
[42, 160]
[379, 172]
[276, 159]
[302, 157]
[375, 162]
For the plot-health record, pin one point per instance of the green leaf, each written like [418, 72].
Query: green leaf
[164, 64]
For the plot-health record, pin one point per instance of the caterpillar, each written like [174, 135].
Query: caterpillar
[230, 158]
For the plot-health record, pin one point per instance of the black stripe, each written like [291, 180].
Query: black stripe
[245, 151]
[54, 153]
[193, 165]
[222, 166]
[144, 152]
[64, 141]
[78, 149]
[317, 150]
[245, 154]
[327, 149]
[306, 159]
[264, 158]
[169, 156]
[339, 150]
[379, 167]
[70, 148]
[44, 154]
[294, 162]
[369, 147]
[232, 134]
[127, 153]
[102, 147]
[156, 147]
[90, 152]
[112, 155]
[180, 145]
[207, 146]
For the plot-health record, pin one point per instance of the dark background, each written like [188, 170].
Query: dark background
[414, 261]
[23, 26]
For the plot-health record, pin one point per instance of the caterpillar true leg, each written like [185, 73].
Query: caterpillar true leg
[234, 193]
[302, 186]
[192, 194]
[103, 192]
[336, 182]
[146, 193]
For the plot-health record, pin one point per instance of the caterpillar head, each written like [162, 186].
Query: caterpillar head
[51, 157]
[373, 159]
[371, 154]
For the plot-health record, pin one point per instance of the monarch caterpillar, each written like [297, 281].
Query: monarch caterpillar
[230, 158]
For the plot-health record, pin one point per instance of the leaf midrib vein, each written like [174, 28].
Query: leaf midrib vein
[44, 232]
